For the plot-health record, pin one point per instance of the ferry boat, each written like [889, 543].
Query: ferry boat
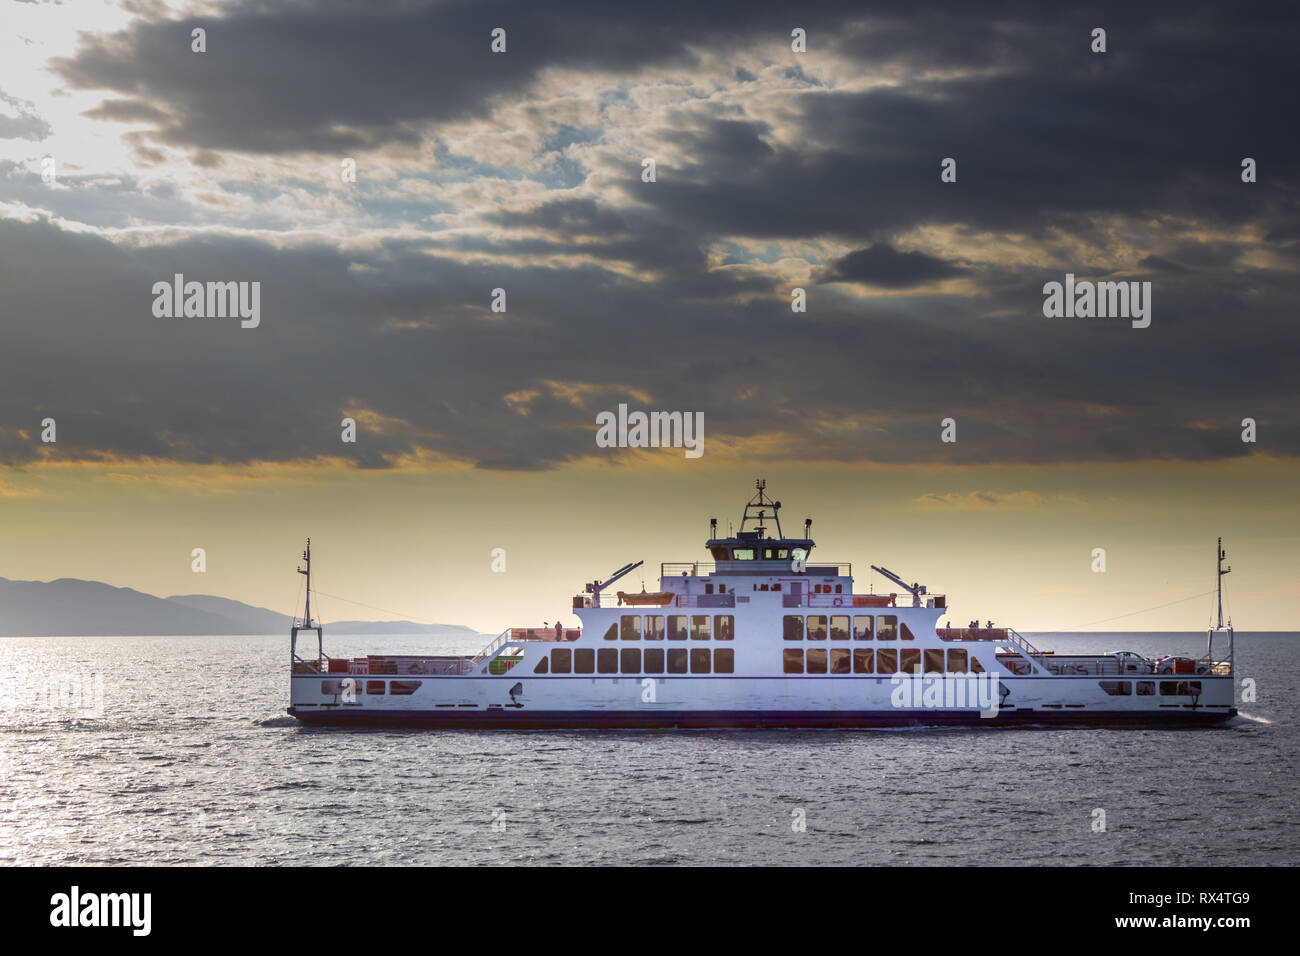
[763, 635]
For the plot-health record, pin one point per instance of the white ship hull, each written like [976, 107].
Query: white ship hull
[764, 638]
[712, 701]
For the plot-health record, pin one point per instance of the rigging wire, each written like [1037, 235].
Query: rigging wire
[1129, 614]
[386, 610]
[294, 613]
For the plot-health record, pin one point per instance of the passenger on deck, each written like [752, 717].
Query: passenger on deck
[559, 631]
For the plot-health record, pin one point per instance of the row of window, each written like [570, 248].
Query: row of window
[750, 554]
[1147, 688]
[350, 685]
[633, 660]
[817, 588]
[884, 660]
[722, 627]
[884, 627]
[698, 627]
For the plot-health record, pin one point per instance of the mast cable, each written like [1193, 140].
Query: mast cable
[1129, 614]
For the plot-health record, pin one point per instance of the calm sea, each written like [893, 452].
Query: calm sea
[154, 750]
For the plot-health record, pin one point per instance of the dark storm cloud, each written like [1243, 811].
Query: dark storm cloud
[1049, 137]
[1053, 143]
[404, 333]
[882, 265]
[329, 76]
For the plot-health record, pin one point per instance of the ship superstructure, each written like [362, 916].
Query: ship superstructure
[761, 635]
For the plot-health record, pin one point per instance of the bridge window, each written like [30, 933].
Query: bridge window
[792, 661]
[886, 627]
[561, 661]
[607, 660]
[699, 627]
[886, 660]
[1117, 688]
[863, 660]
[654, 660]
[957, 662]
[793, 631]
[816, 660]
[933, 660]
[909, 659]
[839, 660]
[584, 660]
[677, 660]
[654, 627]
[862, 627]
[543, 665]
[629, 662]
[677, 625]
[743, 554]
[907, 634]
[612, 633]
[724, 627]
[839, 628]
[708, 589]
[631, 627]
[700, 660]
[816, 627]
[724, 660]
[839, 589]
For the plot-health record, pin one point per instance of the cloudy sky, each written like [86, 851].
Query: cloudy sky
[775, 170]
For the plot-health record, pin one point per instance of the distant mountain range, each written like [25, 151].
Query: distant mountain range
[70, 607]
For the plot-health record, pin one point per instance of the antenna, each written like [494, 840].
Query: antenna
[761, 503]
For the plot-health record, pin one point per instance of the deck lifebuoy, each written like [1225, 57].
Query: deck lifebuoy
[838, 602]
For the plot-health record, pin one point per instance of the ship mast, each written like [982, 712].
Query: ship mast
[306, 623]
[1218, 582]
[306, 556]
[1219, 572]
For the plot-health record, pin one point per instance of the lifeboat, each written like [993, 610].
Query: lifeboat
[650, 598]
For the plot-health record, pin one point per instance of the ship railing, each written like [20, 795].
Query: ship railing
[1027, 650]
[519, 635]
[497, 643]
[696, 600]
[781, 566]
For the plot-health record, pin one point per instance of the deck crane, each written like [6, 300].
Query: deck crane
[916, 590]
[596, 587]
